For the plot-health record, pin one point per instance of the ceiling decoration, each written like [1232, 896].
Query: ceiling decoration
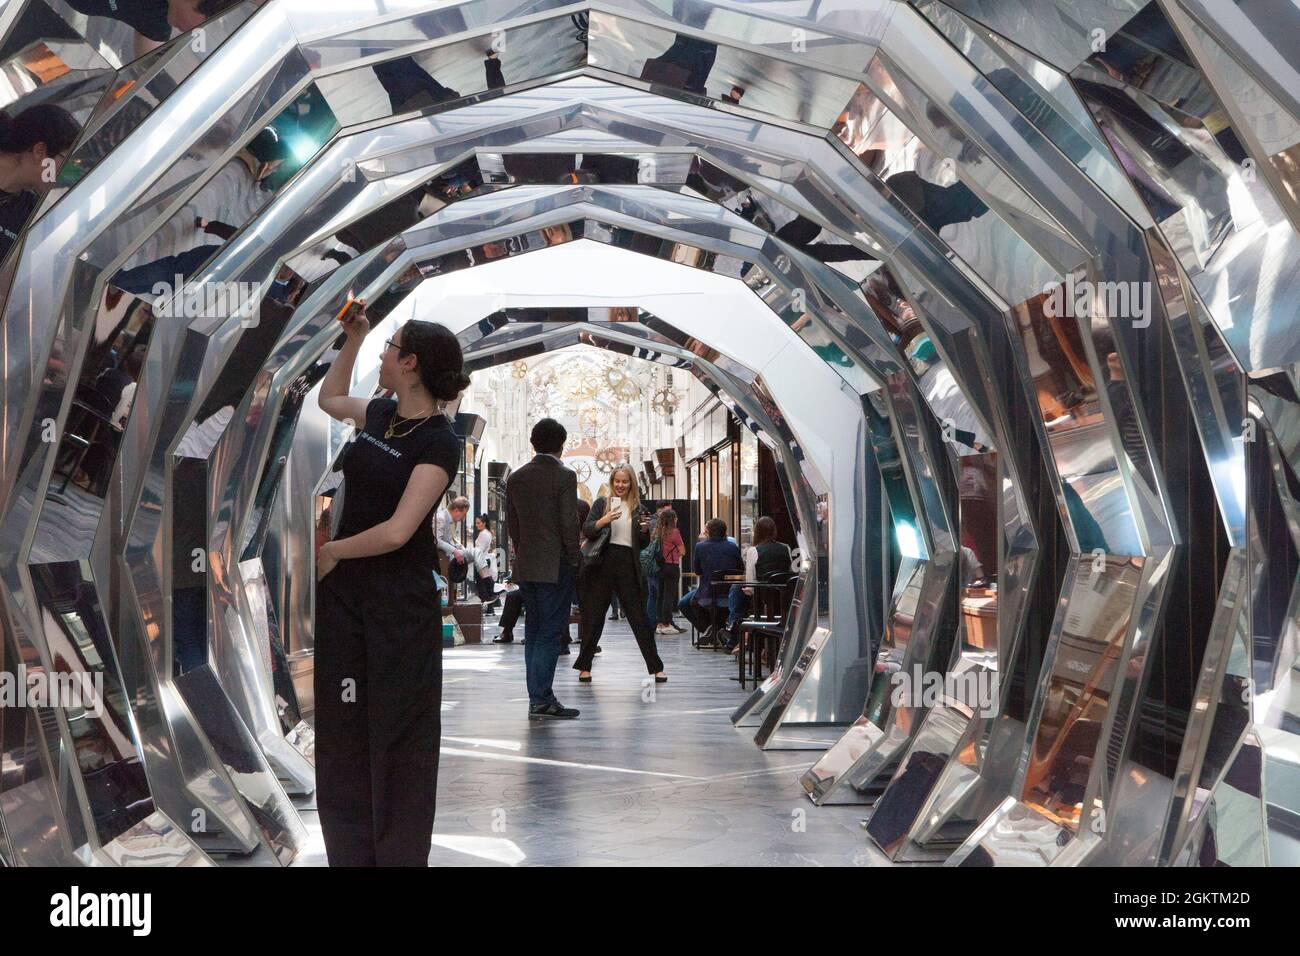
[607, 459]
[665, 401]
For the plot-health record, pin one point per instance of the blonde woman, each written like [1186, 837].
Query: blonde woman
[616, 570]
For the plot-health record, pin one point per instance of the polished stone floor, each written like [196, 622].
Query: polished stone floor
[648, 775]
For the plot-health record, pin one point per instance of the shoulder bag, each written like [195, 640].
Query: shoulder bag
[593, 549]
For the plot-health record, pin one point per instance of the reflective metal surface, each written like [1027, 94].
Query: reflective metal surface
[1023, 300]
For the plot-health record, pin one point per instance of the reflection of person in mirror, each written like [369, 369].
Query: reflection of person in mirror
[378, 661]
[492, 70]
[33, 146]
[153, 20]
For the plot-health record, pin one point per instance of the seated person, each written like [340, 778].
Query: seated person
[714, 557]
[766, 558]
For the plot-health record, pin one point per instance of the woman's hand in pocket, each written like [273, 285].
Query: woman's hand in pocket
[325, 560]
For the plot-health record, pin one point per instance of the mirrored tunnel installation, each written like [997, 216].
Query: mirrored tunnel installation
[1002, 298]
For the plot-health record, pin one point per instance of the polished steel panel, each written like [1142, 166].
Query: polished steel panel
[915, 205]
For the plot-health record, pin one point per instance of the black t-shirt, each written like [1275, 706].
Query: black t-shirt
[376, 471]
[146, 17]
[15, 210]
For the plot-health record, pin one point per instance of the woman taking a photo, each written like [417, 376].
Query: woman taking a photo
[621, 521]
[671, 547]
[378, 664]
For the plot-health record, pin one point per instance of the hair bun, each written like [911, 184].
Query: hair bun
[448, 384]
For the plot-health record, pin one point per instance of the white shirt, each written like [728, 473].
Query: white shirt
[442, 533]
[620, 529]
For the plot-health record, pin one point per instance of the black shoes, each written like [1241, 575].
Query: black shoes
[564, 650]
[584, 680]
[555, 711]
[505, 637]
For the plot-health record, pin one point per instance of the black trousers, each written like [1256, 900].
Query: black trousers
[378, 686]
[618, 572]
[510, 608]
[670, 577]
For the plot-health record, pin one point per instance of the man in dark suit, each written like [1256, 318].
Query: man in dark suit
[514, 602]
[543, 524]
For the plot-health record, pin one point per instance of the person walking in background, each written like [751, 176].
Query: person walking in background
[650, 569]
[484, 581]
[378, 662]
[615, 530]
[671, 549]
[543, 524]
[714, 557]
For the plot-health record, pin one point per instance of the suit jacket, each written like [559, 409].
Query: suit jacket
[542, 519]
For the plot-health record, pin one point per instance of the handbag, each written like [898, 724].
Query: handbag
[593, 549]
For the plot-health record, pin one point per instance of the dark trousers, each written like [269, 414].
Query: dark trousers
[510, 609]
[670, 577]
[652, 598]
[378, 688]
[618, 572]
[701, 616]
[546, 623]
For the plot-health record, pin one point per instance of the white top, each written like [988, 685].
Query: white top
[620, 529]
[484, 540]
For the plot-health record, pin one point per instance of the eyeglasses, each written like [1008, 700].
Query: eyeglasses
[390, 344]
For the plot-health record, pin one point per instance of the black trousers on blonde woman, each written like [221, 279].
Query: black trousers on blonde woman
[618, 573]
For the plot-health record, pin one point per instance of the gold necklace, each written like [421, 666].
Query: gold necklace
[390, 433]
